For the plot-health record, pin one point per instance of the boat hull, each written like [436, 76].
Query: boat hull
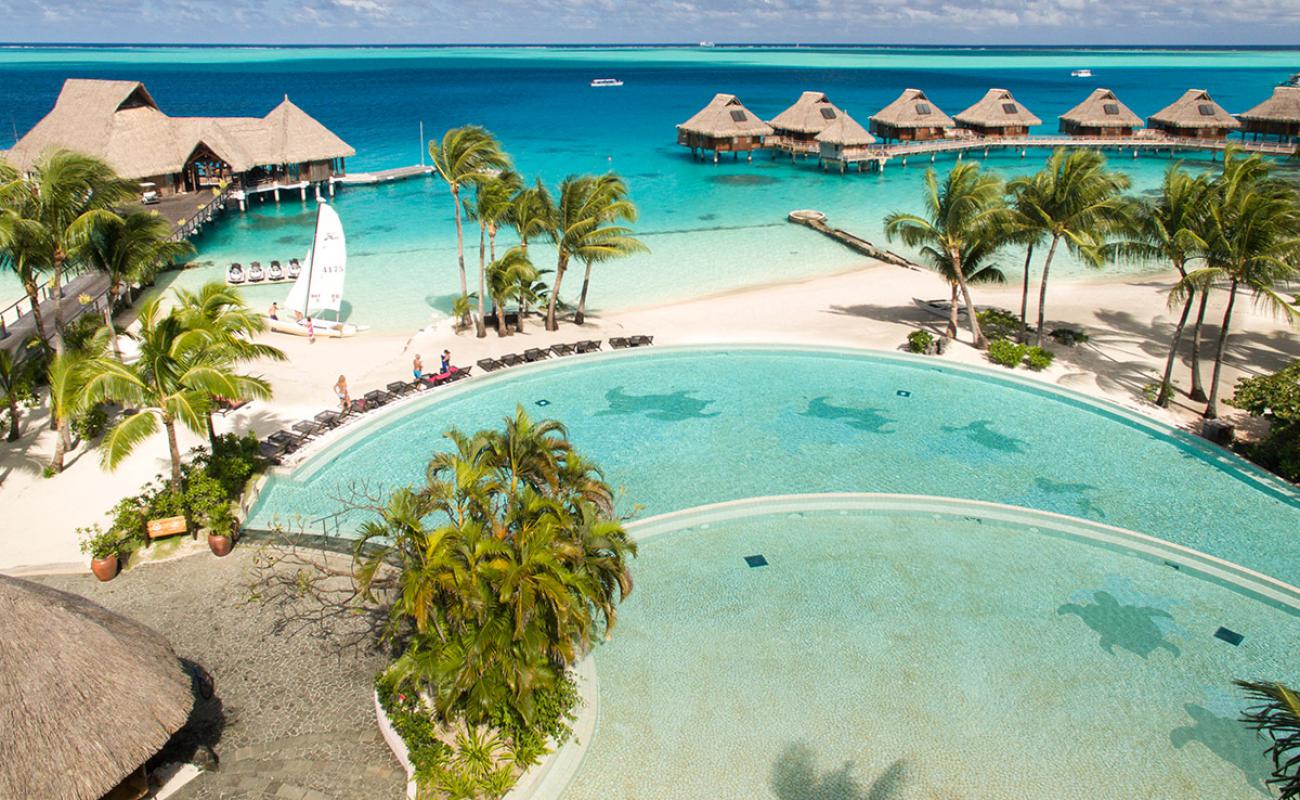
[325, 329]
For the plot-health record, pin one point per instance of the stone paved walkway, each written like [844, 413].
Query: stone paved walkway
[292, 716]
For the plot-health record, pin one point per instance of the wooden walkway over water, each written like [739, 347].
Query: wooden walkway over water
[383, 175]
[18, 323]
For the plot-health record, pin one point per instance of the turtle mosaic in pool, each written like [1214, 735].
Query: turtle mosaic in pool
[677, 428]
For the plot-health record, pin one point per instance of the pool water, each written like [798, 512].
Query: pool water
[676, 428]
[896, 655]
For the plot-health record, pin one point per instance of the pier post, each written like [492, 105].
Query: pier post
[1022, 151]
[986, 152]
[276, 192]
[243, 204]
[715, 156]
[959, 155]
[331, 188]
[302, 190]
[749, 156]
[905, 161]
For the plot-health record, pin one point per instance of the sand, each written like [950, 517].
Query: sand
[871, 306]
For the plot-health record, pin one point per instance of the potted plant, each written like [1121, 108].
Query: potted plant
[102, 548]
[221, 526]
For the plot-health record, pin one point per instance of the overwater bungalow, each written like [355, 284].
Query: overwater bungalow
[844, 142]
[910, 118]
[1278, 116]
[998, 114]
[1100, 115]
[119, 122]
[1195, 115]
[796, 128]
[723, 126]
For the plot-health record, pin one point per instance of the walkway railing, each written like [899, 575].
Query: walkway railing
[881, 153]
[203, 216]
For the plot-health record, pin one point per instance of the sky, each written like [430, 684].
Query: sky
[1153, 22]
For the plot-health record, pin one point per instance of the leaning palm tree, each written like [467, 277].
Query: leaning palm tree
[490, 209]
[65, 196]
[1165, 228]
[506, 277]
[464, 157]
[960, 216]
[1276, 715]
[585, 230]
[1074, 199]
[173, 382]
[131, 249]
[532, 214]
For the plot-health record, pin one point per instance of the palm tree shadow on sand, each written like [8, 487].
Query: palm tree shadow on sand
[795, 776]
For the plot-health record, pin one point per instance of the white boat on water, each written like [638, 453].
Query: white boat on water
[319, 287]
[1081, 73]
[601, 83]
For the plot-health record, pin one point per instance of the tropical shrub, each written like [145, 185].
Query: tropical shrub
[998, 323]
[1276, 398]
[90, 424]
[98, 543]
[1007, 353]
[920, 341]
[1038, 359]
[1068, 336]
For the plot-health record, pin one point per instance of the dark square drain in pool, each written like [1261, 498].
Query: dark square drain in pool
[1231, 637]
[756, 561]
[543, 402]
[903, 393]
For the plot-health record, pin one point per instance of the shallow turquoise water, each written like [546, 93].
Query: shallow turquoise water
[710, 228]
[893, 655]
[681, 428]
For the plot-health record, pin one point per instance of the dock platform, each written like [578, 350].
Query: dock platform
[383, 175]
[816, 220]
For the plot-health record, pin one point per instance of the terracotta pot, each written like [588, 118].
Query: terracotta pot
[104, 568]
[220, 545]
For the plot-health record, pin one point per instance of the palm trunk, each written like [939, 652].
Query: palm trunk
[952, 311]
[523, 289]
[500, 309]
[14, 433]
[212, 434]
[581, 316]
[460, 252]
[1042, 291]
[480, 329]
[33, 296]
[108, 323]
[175, 450]
[977, 336]
[61, 443]
[492, 241]
[552, 324]
[57, 287]
[1212, 408]
[1166, 383]
[1197, 392]
[1024, 296]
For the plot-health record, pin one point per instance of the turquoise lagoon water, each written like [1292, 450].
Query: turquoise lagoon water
[899, 656]
[679, 428]
[710, 228]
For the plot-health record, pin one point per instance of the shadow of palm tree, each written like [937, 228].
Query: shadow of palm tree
[795, 776]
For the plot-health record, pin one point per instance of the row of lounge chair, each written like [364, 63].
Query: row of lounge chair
[284, 442]
[576, 348]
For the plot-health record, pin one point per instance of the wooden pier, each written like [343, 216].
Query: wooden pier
[817, 221]
[383, 176]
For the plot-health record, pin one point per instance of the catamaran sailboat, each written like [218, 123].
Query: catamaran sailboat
[319, 286]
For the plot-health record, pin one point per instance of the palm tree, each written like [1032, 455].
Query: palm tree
[464, 157]
[1074, 199]
[506, 277]
[1166, 228]
[65, 197]
[490, 209]
[15, 388]
[131, 249]
[532, 214]
[1277, 716]
[1252, 243]
[22, 252]
[67, 379]
[183, 365]
[583, 230]
[960, 216]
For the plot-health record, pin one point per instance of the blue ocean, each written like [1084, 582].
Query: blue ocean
[710, 228]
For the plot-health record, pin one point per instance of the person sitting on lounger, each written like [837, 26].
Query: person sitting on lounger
[341, 391]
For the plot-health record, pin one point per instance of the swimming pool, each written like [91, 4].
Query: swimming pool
[883, 652]
[681, 427]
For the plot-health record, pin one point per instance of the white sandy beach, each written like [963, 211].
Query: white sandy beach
[869, 307]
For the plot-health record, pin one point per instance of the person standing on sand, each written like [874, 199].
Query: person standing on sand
[446, 362]
[341, 391]
[274, 312]
[417, 368]
[311, 332]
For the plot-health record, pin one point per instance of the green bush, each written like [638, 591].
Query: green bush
[998, 323]
[920, 341]
[91, 424]
[415, 726]
[1007, 353]
[1038, 359]
[97, 543]
[1276, 398]
[1068, 336]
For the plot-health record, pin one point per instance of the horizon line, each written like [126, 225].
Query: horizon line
[699, 45]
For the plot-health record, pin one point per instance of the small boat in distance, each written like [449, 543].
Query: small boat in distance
[295, 269]
[235, 274]
[1081, 73]
[275, 273]
[255, 274]
[602, 82]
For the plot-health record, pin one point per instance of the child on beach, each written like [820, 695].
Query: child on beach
[311, 332]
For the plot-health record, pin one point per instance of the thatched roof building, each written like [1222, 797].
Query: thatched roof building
[998, 114]
[1101, 114]
[811, 114]
[1279, 115]
[843, 139]
[724, 125]
[119, 122]
[910, 118]
[86, 696]
[1195, 115]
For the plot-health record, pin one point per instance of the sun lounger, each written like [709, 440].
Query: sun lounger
[401, 388]
[563, 349]
[328, 419]
[271, 451]
[641, 341]
[291, 441]
[377, 398]
[309, 428]
[586, 346]
[618, 343]
[358, 407]
[489, 364]
[460, 373]
[512, 359]
[535, 354]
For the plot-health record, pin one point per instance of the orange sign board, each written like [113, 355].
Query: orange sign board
[167, 526]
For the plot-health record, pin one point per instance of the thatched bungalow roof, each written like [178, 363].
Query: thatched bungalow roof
[724, 117]
[812, 113]
[1283, 106]
[119, 122]
[912, 109]
[845, 132]
[998, 109]
[1195, 109]
[1102, 109]
[86, 695]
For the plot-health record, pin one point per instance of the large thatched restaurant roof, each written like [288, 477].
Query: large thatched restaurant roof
[1195, 109]
[998, 109]
[912, 109]
[1102, 109]
[1282, 106]
[725, 116]
[813, 112]
[119, 122]
[86, 695]
[846, 132]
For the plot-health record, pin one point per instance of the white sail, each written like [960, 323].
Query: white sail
[320, 284]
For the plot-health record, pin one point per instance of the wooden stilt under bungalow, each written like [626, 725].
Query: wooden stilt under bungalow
[795, 129]
[723, 126]
[910, 118]
[998, 114]
[1278, 116]
[1101, 115]
[1195, 115]
[844, 143]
